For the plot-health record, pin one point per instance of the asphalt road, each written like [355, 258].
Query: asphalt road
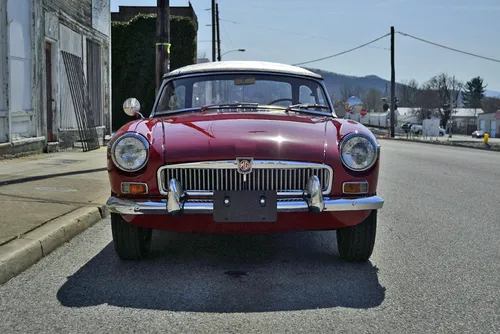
[435, 268]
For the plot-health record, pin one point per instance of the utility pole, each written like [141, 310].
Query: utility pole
[162, 41]
[393, 87]
[213, 30]
[219, 57]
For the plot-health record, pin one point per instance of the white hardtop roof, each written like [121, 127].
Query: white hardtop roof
[246, 66]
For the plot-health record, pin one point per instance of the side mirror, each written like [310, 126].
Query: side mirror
[354, 105]
[132, 107]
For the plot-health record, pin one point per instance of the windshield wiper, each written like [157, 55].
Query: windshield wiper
[253, 105]
[243, 105]
[229, 106]
[307, 106]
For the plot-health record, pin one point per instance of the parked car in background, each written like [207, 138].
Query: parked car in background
[243, 147]
[478, 134]
[418, 129]
[406, 127]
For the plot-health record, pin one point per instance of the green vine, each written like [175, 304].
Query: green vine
[133, 59]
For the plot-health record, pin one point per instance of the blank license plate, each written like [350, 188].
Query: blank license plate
[245, 206]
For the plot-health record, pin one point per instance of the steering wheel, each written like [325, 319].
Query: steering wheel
[279, 100]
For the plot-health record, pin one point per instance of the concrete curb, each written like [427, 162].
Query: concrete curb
[19, 254]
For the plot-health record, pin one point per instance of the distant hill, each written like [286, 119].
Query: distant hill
[492, 93]
[336, 82]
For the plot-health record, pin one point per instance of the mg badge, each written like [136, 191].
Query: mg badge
[244, 165]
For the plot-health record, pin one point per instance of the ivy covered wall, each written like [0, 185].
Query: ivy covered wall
[133, 60]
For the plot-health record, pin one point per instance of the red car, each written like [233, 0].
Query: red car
[242, 147]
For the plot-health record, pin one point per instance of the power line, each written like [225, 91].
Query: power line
[292, 32]
[267, 28]
[447, 47]
[223, 26]
[343, 52]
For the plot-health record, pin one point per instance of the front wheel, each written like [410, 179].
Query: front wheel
[355, 243]
[131, 242]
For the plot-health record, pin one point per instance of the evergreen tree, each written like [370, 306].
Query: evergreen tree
[473, 93]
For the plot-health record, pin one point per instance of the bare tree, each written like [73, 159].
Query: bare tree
[339, 108]
[490, 104]
[338, 104]
[406, 93]
[373, 100]
[427, 101]
[349, 90]
[447, 89]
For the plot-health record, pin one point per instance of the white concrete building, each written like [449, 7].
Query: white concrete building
[490, 123]
[49, 49]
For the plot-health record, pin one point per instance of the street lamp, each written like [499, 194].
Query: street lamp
[236, 50]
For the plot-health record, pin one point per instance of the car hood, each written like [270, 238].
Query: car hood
[260, 135]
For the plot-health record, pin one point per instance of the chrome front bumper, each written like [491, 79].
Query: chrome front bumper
[130, 207]
[177, 204]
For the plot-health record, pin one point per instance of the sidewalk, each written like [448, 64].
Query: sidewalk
[48, 199]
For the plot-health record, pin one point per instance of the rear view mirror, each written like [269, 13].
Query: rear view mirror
[244, 82]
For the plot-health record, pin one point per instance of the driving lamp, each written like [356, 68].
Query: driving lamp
[358, 151]
[130, 152]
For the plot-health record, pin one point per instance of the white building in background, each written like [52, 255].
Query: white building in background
[490, 123]
[379, 119]
[41, 95]
[464, 120]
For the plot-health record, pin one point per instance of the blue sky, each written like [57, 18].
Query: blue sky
[293, 31]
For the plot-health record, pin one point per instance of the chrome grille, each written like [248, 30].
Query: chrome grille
[283, 177]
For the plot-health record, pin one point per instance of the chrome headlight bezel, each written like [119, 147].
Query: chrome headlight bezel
[375, 145]
[141, 139]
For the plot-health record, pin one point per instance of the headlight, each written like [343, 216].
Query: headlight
[358, 151]
[130, 152]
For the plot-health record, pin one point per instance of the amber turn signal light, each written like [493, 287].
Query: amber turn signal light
[134, 188]
[353, 188]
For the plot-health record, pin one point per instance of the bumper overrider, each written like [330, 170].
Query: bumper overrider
[177, 203]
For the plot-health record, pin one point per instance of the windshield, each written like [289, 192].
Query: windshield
[261, 89]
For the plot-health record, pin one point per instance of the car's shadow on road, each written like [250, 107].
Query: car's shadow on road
[228, 273]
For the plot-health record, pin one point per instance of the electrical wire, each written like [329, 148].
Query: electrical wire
[291, 32]
[223, 26]
[448, 48]
[343, 52]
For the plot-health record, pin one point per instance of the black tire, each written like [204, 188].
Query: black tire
[355, 243]
[131, 242]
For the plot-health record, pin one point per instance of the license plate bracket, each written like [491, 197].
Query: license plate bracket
[245, 206]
